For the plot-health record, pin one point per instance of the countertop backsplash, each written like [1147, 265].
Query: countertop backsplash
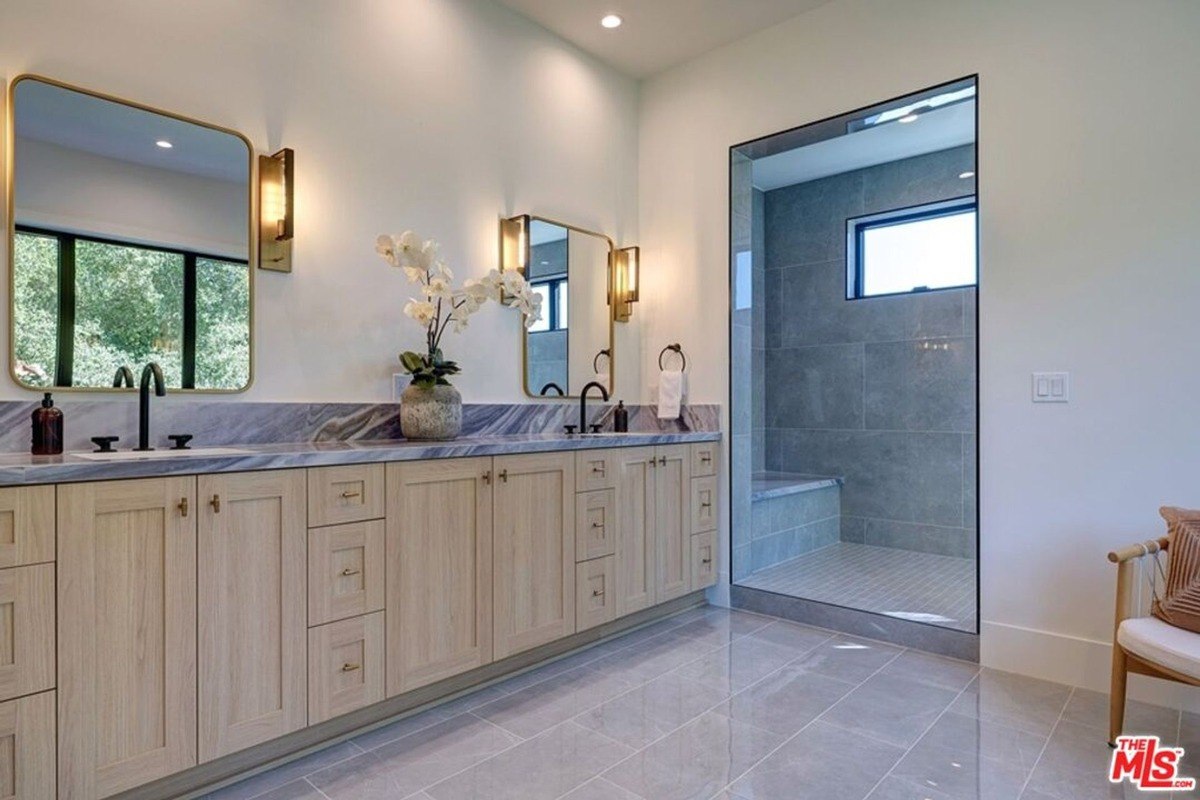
[229, 423]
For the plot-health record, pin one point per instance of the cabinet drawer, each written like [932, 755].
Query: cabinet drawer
[596, 597]
[704, 458]
[345, 494]
[27, 748]
[345, 571]
[26, 526]
[345, 666]
[26, 630]
[704, 559]
[595, 469]
[595, 524]
[704, 504]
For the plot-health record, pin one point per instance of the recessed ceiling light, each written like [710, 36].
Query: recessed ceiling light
[967, 174]
[910, 118]
[164, 144]
[611, 21]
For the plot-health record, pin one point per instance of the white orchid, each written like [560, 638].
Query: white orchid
[443, 306]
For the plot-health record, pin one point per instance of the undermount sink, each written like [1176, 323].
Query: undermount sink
[138, 455]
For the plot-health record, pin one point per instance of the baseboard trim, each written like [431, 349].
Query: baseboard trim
[235, 767]
[930, 638]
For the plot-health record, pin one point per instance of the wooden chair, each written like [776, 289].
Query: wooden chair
[1145, 644]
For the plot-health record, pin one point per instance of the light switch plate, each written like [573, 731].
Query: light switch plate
[399, 384]
[1051, 387]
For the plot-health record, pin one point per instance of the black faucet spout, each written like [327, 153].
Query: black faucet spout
[123, 377]
[150, 371]
[583, 396]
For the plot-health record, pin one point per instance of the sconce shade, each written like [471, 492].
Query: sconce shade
[514, 243]
[276, 203]
[626, 266]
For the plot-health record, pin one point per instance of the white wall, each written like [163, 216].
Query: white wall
[66, 189]
[1089, 187]
[437, 115]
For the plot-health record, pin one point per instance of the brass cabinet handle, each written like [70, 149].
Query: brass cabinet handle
[598, 593]
[183, 507]
[504, 475]
[598, 468]
[597, 524]
[706, 561]
[706, 505]
[348, 571]
[662, 461]
[653, 461]
[216, 503]
[348, 494]
[350, 667]
[705, 458]
[487, 478]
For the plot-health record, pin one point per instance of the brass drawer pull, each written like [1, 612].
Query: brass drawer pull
[706, 561]
[350, 667]
[216, 503]
[504, 475]
[706, 505]
[487, 478]
[597, 524]
[348, 571]
[662, 461]
[348, 494]
[706, 458]
[598, 468]
[183, 507]
[653, 461]
[598, 593]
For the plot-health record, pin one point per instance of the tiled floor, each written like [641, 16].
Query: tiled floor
[900, 583]
[721, 705]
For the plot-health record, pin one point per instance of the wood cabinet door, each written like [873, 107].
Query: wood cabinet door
[439, 576]
[534, 550]
[27, 748]
[253, 622]
[126, 634]
[635, 546]
[672, 521]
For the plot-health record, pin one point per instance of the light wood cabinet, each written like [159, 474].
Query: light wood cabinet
[635, 545]
[26, 525]
[27, 748]
[672, 522]
[704, 459]
[350, 493]
[346, 571]
[252, 624]
[26, 630]
[704, 560]
[595, 469]
[595, 524]
[534, 550]
[439, 556]
[703, 504]
[345, 666]
[126, 634]
[595, 598]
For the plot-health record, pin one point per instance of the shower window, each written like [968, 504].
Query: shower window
[915, 249]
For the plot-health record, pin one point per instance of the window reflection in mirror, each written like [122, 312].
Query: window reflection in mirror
[130, 244]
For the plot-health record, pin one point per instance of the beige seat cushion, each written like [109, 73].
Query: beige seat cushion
[1180, 603]
[1155, 641]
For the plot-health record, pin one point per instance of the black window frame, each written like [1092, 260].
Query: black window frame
[553, 312]
[856, 228]
[65, 346]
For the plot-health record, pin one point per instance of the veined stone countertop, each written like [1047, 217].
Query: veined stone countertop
[21, 470]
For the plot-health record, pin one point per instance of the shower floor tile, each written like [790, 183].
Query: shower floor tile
[900, 583]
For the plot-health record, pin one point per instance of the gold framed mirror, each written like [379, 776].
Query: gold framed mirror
[571, 267]
[130, 240]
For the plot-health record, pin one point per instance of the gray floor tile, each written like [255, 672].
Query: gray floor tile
[893, 788]
[399, 729]
[966, 736]
[543, 768]
[848, 658]
[961, 774]
[800, 638]
[891, 709]
[947, 673]
[1017, 701]
[785, 701]
[286, 774]
[654, 657]
[1075, 766]
[742, 663]
[601, 789]
[696, 761]
[544, 705]
[1091, 708]
[296, 790]
[651, 711]
[407, 765]
[821, 763]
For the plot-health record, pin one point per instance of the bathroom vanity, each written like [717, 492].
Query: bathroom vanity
[170, 623]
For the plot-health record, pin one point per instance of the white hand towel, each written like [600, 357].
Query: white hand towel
[672, 386]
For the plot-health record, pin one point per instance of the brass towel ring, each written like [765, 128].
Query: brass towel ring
[676, 348]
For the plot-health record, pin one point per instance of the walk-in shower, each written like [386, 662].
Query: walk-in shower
[854, 273]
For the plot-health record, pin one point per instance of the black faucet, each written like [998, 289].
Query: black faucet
[160, 389]
[552, 385]
[583, 395]
[123, 377]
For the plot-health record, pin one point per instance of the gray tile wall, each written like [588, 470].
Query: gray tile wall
[784, 527]
[547, 360]
[880, 391]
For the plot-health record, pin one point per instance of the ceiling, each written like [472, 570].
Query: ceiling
[935, 130]
[79, 121]
[657, 34]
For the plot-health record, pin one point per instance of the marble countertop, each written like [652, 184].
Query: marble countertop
[19, 469]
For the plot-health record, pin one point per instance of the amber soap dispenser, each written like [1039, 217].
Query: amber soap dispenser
[47, 429]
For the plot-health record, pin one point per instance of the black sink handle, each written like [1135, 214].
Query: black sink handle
[105, 443]
[181, 440]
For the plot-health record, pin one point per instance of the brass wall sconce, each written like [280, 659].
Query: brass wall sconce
[514, 243]
[276, 196]
[626, 264]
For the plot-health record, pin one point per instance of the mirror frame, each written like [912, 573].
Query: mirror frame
[11, 226]
[524, 259]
